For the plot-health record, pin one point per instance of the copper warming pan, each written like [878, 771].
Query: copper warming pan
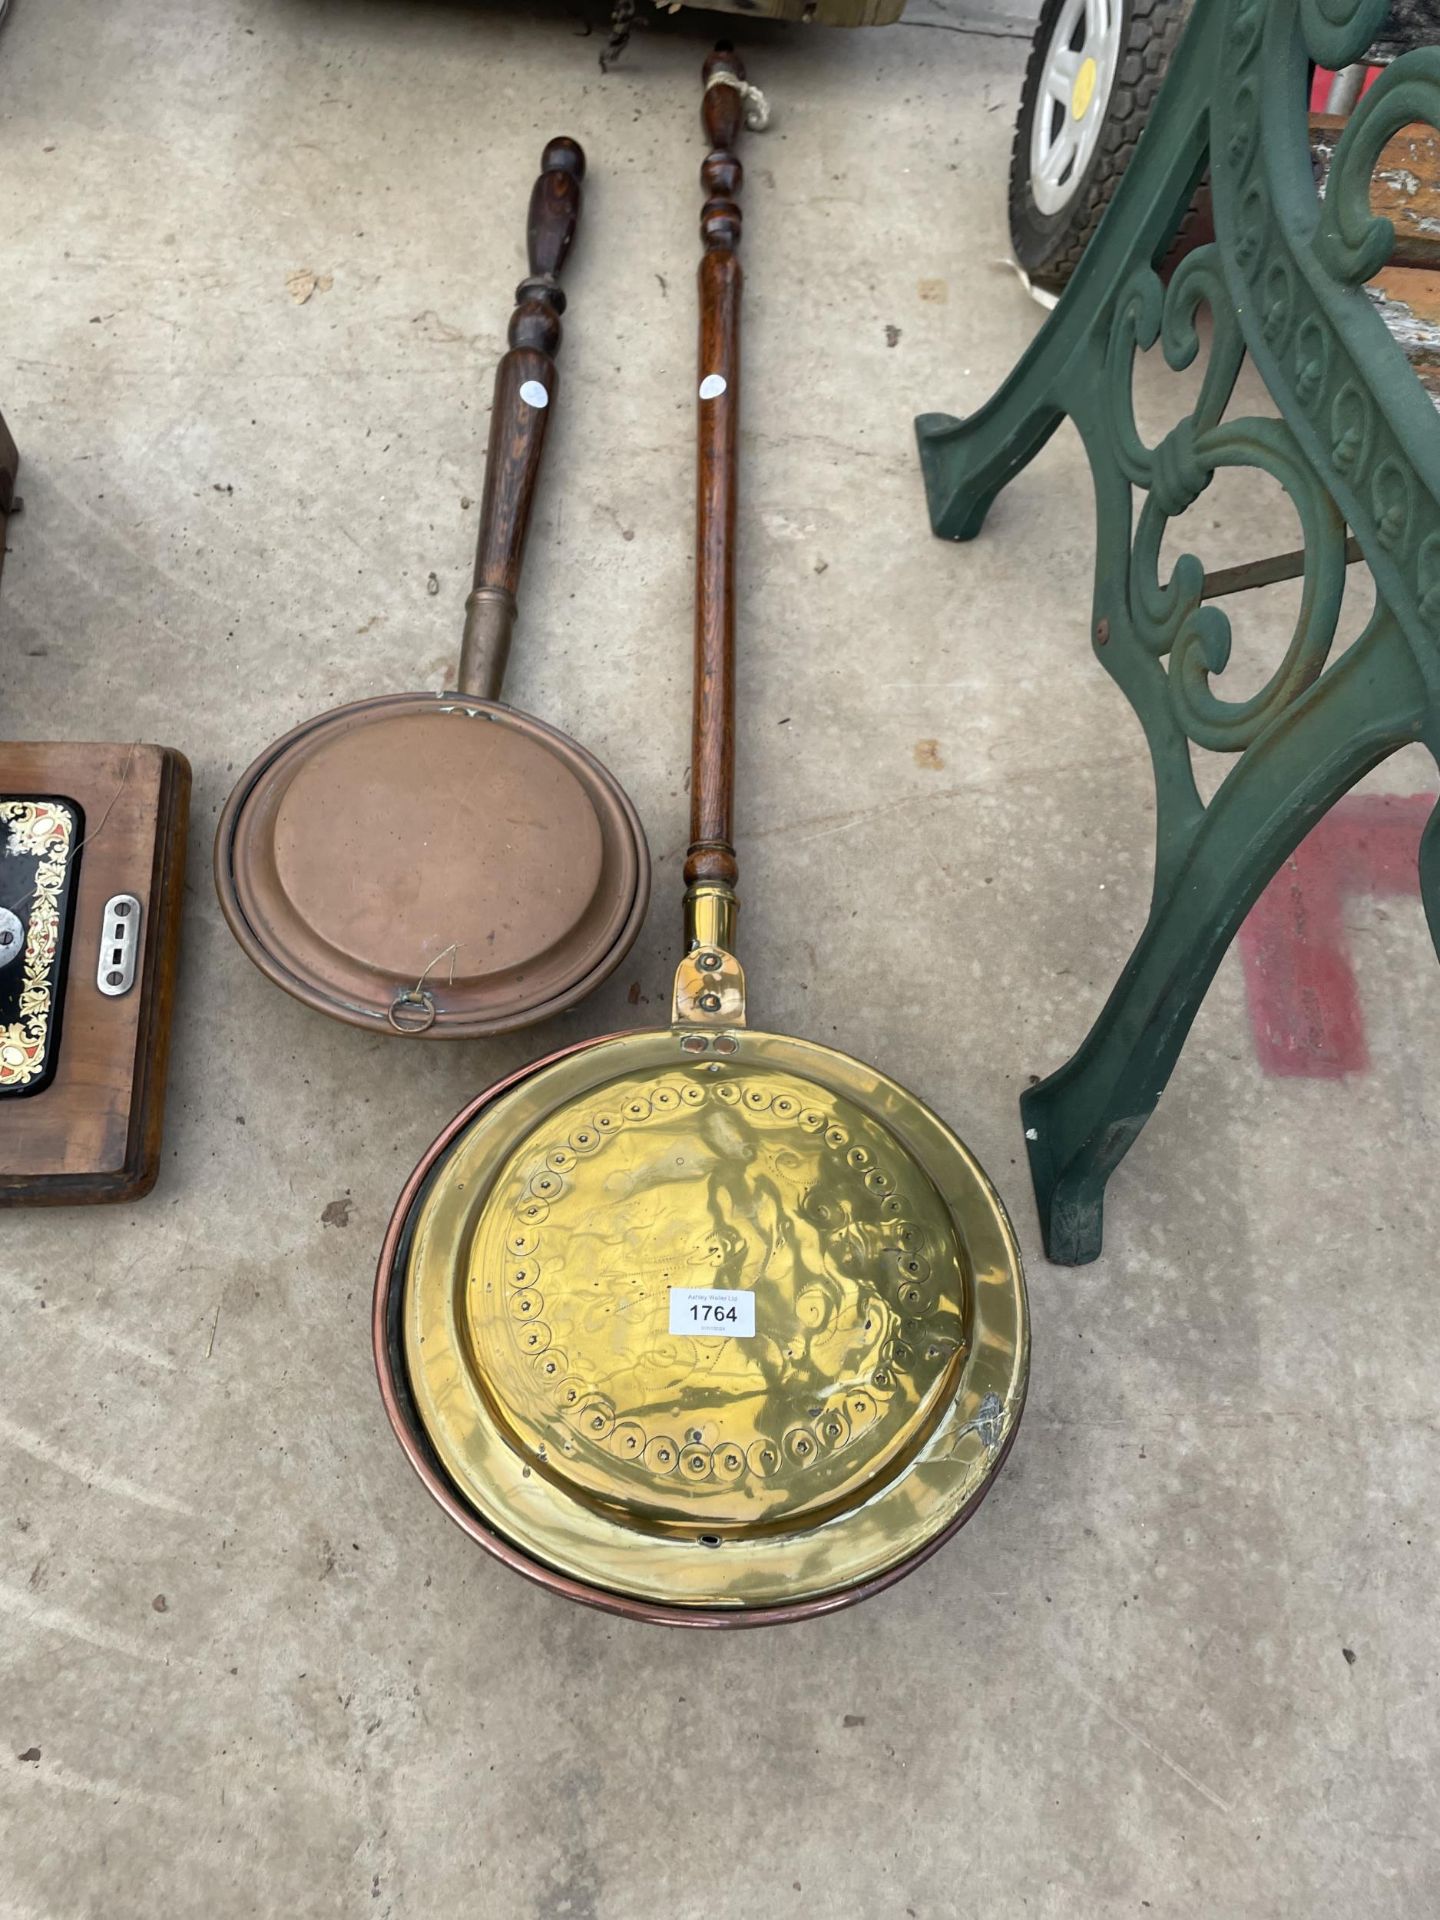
[706, 1326]
[441, 864]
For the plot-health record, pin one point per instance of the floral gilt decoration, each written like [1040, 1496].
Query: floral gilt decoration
[44, 831]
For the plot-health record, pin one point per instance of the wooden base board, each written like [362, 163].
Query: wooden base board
[1409, 304]
[1405, 186]
[93, 1134]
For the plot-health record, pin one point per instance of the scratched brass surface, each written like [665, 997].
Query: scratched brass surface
[890, 1348]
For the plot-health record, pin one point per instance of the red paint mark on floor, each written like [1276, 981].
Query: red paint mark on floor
[1304, 1003]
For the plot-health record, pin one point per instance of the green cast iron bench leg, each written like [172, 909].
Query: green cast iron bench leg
[1357, 447]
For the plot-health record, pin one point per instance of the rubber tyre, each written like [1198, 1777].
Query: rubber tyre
[1049, 245]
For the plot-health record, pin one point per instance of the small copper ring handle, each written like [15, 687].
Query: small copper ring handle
[419, 997]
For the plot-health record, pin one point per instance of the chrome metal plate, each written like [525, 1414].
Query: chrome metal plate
[119, 946]
[12, 937]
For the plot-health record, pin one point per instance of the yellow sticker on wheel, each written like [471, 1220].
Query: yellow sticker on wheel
[1083, 92]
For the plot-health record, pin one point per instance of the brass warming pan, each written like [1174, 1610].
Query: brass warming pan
[441, 864]
[705, 1326]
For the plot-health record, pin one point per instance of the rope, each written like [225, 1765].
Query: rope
[757, 107]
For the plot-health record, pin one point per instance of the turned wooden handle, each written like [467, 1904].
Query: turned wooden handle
[712, 775]
[525, 387]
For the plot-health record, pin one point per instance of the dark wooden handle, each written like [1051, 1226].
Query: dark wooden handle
[555, 208]
[712, 773]
[525, 387]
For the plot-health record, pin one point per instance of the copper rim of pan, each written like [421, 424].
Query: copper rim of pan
[444, 865]
[388, 1347]
[537, 1288]
[599, 878]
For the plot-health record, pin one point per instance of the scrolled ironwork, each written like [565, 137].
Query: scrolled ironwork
[1353, 242]
[1336, 32]
[1357, 445]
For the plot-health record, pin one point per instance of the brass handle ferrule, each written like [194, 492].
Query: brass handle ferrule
[485, 648]
[711, 911]
[709, 981]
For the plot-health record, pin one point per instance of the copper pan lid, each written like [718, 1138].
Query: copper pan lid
[432, 864]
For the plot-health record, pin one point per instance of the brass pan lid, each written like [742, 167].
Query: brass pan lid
[436, 865]
[812, 1448]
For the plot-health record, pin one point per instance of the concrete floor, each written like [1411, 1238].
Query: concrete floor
[1124, 1690]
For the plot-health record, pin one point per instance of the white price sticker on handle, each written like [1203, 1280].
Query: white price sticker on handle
[712, 1312]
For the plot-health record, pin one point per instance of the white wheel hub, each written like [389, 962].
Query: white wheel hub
[1075, 83]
